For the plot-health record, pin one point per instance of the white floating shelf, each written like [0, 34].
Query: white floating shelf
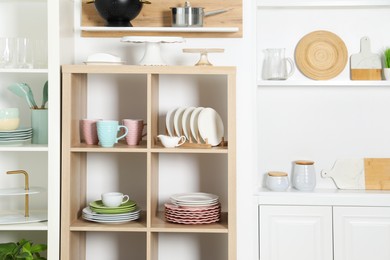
[159, 29]
[323, 3]
[287, 83]
[33, 71]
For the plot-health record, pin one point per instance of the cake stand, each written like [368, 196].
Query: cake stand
[152, 55]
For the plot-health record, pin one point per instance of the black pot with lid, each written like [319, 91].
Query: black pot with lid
[119, 13]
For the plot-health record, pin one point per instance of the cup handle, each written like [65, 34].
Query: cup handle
[181, 140]
[145, 132]
[126, 131]
[292, 67]
[125, 199]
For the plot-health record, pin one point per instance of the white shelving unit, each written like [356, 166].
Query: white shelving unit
[280, 24]
[26, 18]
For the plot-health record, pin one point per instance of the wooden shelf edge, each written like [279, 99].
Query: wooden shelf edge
[159, 29]
[133, 226]
[144, 70]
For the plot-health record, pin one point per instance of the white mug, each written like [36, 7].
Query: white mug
[114, 199]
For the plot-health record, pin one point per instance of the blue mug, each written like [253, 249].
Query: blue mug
[107, 131]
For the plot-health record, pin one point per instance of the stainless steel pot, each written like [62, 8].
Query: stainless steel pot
[189, 16]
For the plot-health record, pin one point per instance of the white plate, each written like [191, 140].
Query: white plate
[88, 212]
[210, 126]
[103, 58]
[103, 63]
[177, 120]
[108, 221]
[194, 197]
[186, 122]
[169, 121]
[194, 122]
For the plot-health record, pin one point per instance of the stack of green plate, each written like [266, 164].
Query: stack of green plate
[98, 207]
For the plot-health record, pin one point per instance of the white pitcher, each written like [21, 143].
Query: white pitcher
[275, 65]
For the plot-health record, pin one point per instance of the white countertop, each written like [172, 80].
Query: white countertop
[330, 197]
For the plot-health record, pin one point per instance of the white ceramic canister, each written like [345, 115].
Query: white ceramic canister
[304, 175]
[277, 181]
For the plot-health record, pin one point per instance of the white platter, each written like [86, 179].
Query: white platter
[19, 218]
[210, 126]
[186, 122]
[169, 121]
[20, 191]
[177, 120]
[194, 123]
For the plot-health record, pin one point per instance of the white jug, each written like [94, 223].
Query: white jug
[275, 65]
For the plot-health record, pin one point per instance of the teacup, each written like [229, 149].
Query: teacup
[114, 199]
[172, 141]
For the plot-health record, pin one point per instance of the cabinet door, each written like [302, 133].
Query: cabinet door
[361, 233]
[295, 232]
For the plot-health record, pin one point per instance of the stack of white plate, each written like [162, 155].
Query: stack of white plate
[195, 123]
[97, 212]
[17, 136]
[193, 208]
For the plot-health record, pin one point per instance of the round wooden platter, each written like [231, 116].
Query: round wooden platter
[321, 55]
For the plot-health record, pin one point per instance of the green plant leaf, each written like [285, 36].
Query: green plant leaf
[386, 56]
[38, 248]
[7, 247]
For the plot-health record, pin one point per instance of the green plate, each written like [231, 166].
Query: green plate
[113, 211]
[98, 204]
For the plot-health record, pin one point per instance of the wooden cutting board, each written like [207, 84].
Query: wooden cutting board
[367, 173]
[366, 65]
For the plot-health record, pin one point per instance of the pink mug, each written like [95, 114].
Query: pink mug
[88, 131]
[136, 127]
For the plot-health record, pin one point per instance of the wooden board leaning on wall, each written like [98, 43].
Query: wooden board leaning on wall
[158, 14]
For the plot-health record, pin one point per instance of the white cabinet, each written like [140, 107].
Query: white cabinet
[361, 233]
[295, 232]
[325, 224]
[29, 19]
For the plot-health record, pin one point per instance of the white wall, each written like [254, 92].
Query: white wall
[239, 53]
[318, 122]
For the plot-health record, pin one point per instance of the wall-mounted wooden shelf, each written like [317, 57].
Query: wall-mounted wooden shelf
[155, 20]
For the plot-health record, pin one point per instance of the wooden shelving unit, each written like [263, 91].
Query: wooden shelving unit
[75, 156]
